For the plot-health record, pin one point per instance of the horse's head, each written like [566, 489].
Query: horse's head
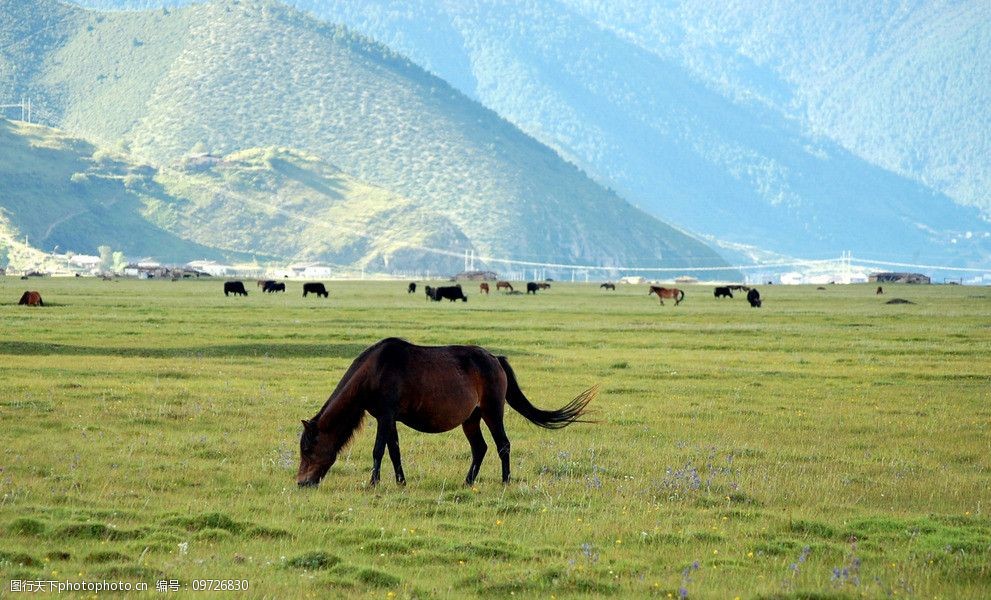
[316, 455]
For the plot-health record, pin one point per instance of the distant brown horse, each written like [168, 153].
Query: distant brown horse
[663, 292]
[483, 288]
[503, 284]
[31, 299]
[431, 389]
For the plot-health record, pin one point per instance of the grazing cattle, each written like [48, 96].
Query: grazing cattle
[31, 299]
[503, 284]
[412, 288]
[663, 292]
[430, 292]
[272, 286]
[431, 389]
[753, 297]
[315, 288]
[264, 283]
[879, 291]
[483, 288]
[608, 286]
[451, 292]
[234, 287]
[722, 292]
[531, 288]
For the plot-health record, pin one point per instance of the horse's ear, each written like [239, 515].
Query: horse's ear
[306, 424]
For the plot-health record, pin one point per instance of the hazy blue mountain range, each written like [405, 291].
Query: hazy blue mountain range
[157, 86]
[804, 128]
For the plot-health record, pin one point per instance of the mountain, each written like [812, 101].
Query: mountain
[230, 76]
[802, 128]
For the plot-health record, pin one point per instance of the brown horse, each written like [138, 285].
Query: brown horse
[663, 292]
[431, 389]
[31, 299]
[483, 288]
[503, 284]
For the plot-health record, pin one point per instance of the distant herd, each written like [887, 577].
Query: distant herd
[455, 292]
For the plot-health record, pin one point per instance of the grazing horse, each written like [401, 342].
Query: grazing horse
[431, 389]
[503, 284]
[412, 288]
[608, 286]
[753, 297]
[722, 292]
[483, 288]
[31, 299]
[663, 292]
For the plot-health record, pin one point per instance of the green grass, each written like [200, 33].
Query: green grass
[151, 431]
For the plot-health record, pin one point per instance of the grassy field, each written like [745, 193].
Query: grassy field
[827, 445]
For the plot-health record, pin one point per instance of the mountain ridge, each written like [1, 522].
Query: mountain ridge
[361, 107]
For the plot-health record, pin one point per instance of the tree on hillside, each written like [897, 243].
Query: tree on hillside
[106, 256]
[119, 262]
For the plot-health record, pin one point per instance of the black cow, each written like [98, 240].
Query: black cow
[531, 288]
[608, 286]
[753, 297]
[271, 286]
[234, 287]
[315, 288]
[722, 292]
[412, 288]
[451, 292]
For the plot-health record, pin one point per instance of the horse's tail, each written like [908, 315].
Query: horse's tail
[682, 297]
[548, 419]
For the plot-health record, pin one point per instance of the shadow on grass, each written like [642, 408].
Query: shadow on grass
[19, 348]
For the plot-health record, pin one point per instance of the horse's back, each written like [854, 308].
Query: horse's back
[436, 387]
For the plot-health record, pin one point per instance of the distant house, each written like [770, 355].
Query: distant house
[212, 268]
[634, 279]
[476, 276]
[310, 271]
[898, 278]
[85, 261]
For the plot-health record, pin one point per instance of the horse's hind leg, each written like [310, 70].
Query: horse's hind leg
[397, 462]
[501, 440]
[473, 431]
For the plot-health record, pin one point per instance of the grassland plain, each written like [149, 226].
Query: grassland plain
[827, 445]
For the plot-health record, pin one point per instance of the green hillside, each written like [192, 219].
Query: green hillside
[227, 76]
[60, 191]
